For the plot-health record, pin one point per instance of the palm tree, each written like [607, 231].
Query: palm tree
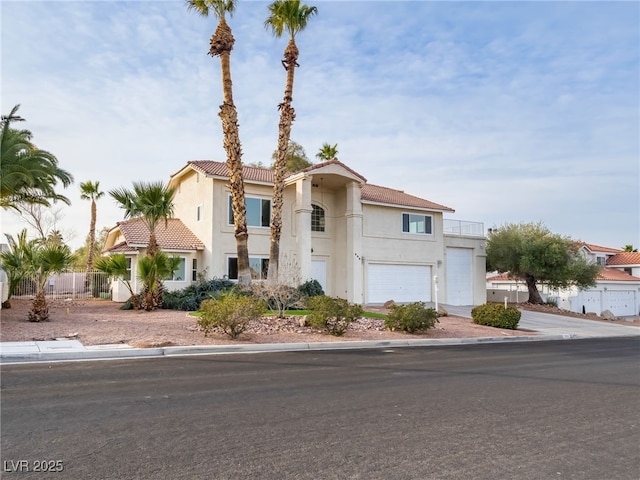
[327, 152]
[12, 262]
[91, 191]
[42, 259]
[153, 201]
[115, 266]
[629, 248]
[292, 17]
[28, 175]
[221, 45]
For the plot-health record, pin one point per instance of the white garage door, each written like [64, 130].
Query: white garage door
[459, 276]
[591, 301]
[400, 283]
[620, 302]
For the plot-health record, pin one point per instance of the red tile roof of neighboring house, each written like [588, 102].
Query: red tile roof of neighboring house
[598, 248]
[605, 274]
[371, 193]
[376, 193]
[121, 247]
[175, 236]
[624, 258]
[615, 275]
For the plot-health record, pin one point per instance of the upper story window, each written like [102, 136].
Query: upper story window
[317, 219]
[198, 213]
[258, 212]
[412, 223]
[601, 261]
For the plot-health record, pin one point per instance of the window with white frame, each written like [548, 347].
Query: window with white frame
[199, 213]
[127, 275]
[179, 274]
[259, 267]
[317, 218]
[194, 269]
[412, 223]
[258, 212]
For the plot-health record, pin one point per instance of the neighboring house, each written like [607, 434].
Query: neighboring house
[617, 285]
[131, 237]
[366, 243]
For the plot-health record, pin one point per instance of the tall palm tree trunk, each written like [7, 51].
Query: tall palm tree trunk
[39, 310]
[287, 116]
[92, 236]
[221, 45]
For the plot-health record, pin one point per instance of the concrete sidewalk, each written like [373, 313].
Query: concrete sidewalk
[73, 350]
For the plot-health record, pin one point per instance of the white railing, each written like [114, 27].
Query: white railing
[463, 227]
[73, 285]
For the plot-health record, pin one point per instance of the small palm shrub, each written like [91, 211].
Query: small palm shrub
[332, 314]
[496, 315]
[230, 313]
[411, 318]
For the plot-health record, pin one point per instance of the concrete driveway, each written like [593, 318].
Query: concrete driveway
[549, 324]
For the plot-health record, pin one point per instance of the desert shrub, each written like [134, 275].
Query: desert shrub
[496, 315]
[231, 313]
[278, 297]
[413, 317]
[311, 288]
[332, 314]
[553, 301]
[190, 297]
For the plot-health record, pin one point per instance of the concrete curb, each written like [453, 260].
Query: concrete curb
[82, 353]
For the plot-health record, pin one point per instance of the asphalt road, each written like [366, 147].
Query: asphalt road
[540, 410]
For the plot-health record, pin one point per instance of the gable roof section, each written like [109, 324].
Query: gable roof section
[175, 236]
[600, 249]
[378, 194]
[370, 193]
[624, 258]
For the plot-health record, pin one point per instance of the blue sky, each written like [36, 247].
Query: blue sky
[504, 111]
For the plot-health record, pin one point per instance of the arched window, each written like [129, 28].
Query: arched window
[317, 219]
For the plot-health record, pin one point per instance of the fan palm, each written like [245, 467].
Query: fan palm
[327, 152]
[153, 201]
[115, 266]
[91, 191]
[221, 44]
[13, 263]
[28, 175]
[284, 16]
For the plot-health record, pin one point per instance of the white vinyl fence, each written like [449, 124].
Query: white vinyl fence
[73, 285]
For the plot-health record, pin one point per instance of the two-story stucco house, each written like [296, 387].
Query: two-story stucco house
[366, 243]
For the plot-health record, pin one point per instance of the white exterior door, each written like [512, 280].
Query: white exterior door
[590, 301]
[400, 283]
[459, 276]
[319, 273]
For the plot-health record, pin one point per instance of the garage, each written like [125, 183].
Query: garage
[459, 276]
[400, 283]
[620, 302]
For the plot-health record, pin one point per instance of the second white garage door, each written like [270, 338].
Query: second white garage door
[400, 283]
[459, 276]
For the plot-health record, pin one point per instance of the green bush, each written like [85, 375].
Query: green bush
[311, 288]
[332, 314]
[496, 315]
[411, 318]
[230, 313]
[190, 297]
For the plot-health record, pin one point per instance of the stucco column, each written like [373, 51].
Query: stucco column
[355, 262]
[303, 227]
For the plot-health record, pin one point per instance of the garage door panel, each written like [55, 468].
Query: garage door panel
[400, 283]
[620, 302]
[459, 276]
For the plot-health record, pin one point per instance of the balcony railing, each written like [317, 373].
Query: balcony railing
[463, 227]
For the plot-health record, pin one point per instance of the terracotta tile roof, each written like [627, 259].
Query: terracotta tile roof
[625, 258]
[371, 193]
[121, 247]
[605, 274]
[612, 274]
[335, 161]
[598, 248]
[219, 169]
[378, 194]
[175, 236]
